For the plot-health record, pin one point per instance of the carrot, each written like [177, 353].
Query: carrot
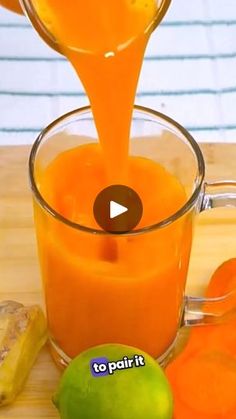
[13, 5]
[203, 376]
[223, 280]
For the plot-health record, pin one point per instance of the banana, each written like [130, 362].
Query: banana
[22, 335]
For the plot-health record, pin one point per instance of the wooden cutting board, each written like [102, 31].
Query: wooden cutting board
[215, 241]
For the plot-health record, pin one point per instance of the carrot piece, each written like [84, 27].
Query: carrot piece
[223, 280]
[203, 376]
[13, 5]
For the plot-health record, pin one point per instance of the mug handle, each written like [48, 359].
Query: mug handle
[199, 311]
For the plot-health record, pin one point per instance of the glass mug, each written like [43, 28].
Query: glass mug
[140, 300]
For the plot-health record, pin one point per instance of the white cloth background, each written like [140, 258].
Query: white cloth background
[189, 73]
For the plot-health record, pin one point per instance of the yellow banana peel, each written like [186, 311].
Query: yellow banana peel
[22, 335]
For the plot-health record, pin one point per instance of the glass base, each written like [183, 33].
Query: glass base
[62, 360]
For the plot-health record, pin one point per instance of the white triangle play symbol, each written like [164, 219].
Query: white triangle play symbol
[116, 209]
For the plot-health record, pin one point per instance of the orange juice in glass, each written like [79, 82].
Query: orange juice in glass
[102, 287]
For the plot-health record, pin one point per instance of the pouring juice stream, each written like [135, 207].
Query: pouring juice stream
[105, 41]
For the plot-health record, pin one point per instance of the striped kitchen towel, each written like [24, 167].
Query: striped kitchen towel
[189, 73]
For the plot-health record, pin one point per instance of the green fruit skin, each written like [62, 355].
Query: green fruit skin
[135, 393]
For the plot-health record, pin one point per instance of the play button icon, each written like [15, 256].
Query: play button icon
[118, 209]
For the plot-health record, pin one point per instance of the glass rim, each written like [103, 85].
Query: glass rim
[163, 223]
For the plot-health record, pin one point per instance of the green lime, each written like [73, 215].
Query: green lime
[114, 382]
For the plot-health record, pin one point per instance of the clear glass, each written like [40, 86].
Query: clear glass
[138, 297]
[29, 9]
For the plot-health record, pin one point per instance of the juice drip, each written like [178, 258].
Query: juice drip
[105, 41]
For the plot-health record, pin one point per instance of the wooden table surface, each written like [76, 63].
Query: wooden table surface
[215, 241]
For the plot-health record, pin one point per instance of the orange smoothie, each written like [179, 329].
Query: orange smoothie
[101, 289]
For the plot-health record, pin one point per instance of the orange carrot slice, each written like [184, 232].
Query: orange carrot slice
[203, 376]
